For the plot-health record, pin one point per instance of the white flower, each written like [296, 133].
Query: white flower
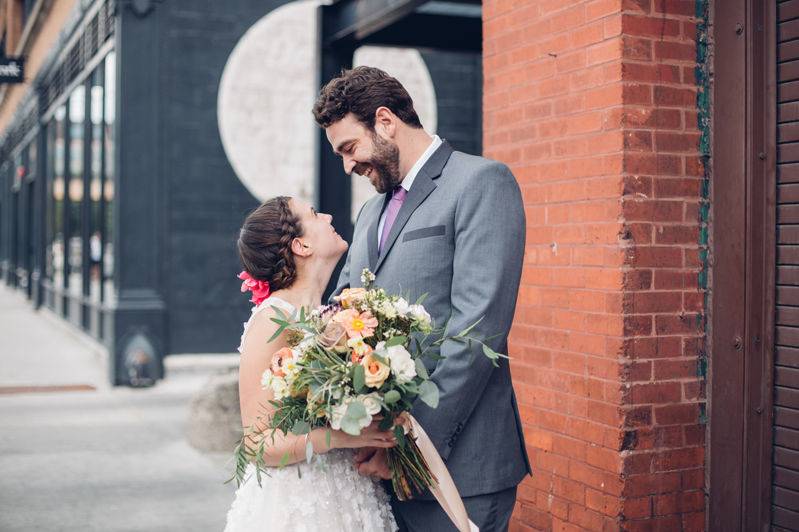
[279, 387]
[305, 344]
[340, 410]
[358, 345]
[371, 402]
[388, 310]
[402, 306]
[402, 365]
[367, 277]
[420, 315]
[337, 414]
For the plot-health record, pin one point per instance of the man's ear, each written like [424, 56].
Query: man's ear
[386, 122]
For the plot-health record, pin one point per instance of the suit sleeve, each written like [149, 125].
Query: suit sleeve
[343, 279]
[489, 233]
[344, 276]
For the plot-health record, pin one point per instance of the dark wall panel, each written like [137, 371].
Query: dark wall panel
[206, 201]
[458, 81]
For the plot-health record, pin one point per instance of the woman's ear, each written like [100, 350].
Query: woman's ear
[300, 248]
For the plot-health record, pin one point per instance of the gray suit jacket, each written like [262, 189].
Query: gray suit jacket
[459, 237]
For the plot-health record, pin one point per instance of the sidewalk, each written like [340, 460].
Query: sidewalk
[100, 459]
[39, 349]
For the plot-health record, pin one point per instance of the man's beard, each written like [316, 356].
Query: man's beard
[384, 163]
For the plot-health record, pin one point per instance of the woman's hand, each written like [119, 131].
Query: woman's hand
[370, 436]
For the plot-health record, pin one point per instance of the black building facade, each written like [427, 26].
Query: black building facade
[118, 207]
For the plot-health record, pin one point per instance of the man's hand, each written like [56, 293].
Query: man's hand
[372, 462]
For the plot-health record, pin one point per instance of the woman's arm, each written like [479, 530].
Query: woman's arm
[256, 357]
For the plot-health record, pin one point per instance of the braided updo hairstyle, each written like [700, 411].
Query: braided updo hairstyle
[265, 243]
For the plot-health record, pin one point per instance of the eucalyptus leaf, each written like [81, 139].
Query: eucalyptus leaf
[350, 423]
[396, 340]
[428, 393]
[356, 410]
[386, 423]
[308, 450]
[327, 439]
[491, 354]
[284, 460]
[421, 370]
[300, 427]
[358, 378]
[350, 426]
[391, 397]
[468, 329]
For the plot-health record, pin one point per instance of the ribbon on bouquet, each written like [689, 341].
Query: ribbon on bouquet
[445, 491]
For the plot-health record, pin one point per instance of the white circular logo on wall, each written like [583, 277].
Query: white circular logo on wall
[266, 93]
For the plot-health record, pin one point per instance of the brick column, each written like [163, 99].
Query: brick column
[594, 106]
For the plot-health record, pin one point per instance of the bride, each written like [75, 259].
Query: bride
[294, 249]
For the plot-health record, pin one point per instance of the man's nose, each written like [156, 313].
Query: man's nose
[349, 164]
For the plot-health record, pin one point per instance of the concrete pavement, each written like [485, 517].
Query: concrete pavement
[110, 459]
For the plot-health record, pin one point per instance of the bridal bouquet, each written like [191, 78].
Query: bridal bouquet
[348, 363]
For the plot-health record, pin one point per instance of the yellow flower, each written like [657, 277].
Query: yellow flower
[357, 324]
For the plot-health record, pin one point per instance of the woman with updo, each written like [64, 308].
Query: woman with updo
[289, 252]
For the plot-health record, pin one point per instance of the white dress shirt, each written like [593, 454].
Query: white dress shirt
[410, 177]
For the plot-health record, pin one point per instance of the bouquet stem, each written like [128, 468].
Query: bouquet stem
[409, 470]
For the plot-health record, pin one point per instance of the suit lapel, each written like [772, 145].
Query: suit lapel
[371, 234]
[423, 185]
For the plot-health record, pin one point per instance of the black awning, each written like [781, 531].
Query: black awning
[408, 23]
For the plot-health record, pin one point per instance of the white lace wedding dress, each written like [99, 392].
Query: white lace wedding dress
[326, 495]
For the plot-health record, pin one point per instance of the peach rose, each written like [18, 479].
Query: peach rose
[350, 296]
[279, 360]
[334, 337]
[376, 371]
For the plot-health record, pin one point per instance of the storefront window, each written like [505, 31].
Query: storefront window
[19, 225]
[58, 190]
[75, 188]
[30, 177]
[96, 187]
[48, 211]
[109, 118]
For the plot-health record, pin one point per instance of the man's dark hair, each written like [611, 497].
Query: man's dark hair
[361, 91]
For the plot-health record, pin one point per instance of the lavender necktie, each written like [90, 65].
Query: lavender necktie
[397, 198]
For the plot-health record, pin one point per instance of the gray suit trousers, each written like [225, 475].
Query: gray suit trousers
[490, 512]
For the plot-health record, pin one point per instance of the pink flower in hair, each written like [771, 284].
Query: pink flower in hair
[260, 289]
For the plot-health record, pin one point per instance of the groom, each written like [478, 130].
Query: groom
[452, 226]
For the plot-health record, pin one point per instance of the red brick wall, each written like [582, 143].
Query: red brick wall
[593, 105]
